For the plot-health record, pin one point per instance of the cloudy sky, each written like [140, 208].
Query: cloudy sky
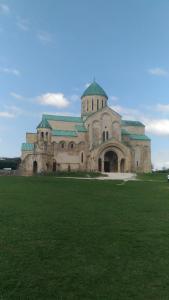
[51, 49]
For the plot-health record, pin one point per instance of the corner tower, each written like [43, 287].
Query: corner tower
[44, 131]
[93, 99]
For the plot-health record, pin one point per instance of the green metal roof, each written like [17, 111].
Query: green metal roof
[140, 137]
[132, 123]
[124, 132]
[94, 89]
[27, 147]
[69, 133]
[81, 128]
[44, 124]
[63, 118]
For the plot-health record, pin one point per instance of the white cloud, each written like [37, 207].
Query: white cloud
[87, 84]
[53, 99]
[23, 24]
[164, 108]
[45, 37]
[161, 159]
[127, 113]
[10, 71]
[4, 9]
[114, 98]
[157, 126]
[10, 112]
[6, 114]
[158, 72]
[16, 96]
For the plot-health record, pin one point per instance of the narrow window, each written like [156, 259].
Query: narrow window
[137, 163]
[92, 104]
[46, 134]
[42, 134]
[71, 146]
[97, 104]
[102, 103]
[82, 157]
[87, 105]
[107, 135]
[103, 136]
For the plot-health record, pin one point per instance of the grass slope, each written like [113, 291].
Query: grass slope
[81, 239]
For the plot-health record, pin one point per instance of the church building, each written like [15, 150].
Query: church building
[98, 140]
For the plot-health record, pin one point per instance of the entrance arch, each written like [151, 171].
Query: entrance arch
[35, 167]
[54, 166]
[99, 164]
[110, 161]
[122, 165]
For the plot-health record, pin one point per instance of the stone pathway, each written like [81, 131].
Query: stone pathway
[119, 176]
[108, 176]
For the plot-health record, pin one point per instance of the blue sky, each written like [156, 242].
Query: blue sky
[51, 49]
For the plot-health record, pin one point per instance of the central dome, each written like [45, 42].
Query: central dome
[94, 89]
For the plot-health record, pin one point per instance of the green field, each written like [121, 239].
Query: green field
[84, 239]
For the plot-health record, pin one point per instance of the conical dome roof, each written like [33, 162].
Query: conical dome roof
[94, 89]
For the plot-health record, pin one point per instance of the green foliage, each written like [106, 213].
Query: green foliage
[155, 176]
[12, 163]
[83, 239]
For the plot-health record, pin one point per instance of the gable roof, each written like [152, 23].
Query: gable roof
[44, 124]
[68, 133]
[62, 118]
[133, 136]
[131, 123]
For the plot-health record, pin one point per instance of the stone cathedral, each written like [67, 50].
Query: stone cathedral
[98, 140]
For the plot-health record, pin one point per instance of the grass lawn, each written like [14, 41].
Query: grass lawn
[83, 239]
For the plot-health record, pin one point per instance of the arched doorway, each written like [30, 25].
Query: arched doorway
[99, 165]
[122, 165]
[110, 162]
[54, 166]
[35, 167]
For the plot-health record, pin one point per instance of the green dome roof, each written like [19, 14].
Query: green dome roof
[94, 89]
[44, 124]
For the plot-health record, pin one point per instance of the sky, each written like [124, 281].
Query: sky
[51, 50]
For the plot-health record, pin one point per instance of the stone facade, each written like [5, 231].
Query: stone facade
[99, 140]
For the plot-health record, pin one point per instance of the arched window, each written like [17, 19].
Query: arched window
[92, 104]
[71, 145]
[82, 158]
[107, 135]
[97, 104]
[62, 144]
[104, 136]
[54, 166]
[42, 134]
[35, 167]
